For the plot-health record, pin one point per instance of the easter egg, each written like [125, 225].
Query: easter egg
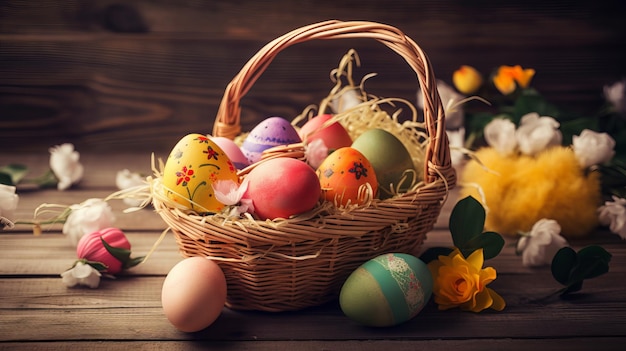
[387, 290]
[343, 176]
[232, 150]
[271, 132]
[389, 157]
[192, 166]
[282, 187]
[193, 294]
[334, 135]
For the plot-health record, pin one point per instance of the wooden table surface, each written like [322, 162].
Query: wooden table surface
[37, 311]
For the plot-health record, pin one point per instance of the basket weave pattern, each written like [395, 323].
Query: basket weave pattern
[303, 261]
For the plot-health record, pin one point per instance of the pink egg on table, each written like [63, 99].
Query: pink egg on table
[282, 187]
[271, 132]
[232, 150]
[334, 135]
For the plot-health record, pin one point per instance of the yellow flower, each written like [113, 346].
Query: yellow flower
[509, 77]
[467, 80]
[460, 282]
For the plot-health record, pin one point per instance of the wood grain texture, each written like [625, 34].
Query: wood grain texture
[116, 75]
[37, 312]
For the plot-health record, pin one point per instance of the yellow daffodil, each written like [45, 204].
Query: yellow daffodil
[467, 80]
[510, 77]
[460, 282]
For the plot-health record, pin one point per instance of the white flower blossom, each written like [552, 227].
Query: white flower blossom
[451, 101]
[87, 217]
[81, 274]
[64, 162]
[346, 100]
[614, 94]
[500, 134]
[457, 140]
[593, 148]
[537, 133]
[613, 215]
[540, 245]
[126, 179]
[230, 194]
[315, 152]
[8, 204]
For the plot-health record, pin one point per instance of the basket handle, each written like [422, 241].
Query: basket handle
[438, 163]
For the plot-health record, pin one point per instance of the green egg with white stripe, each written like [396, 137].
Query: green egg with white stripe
[387, 290]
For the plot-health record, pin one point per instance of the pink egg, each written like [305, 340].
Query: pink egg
[271, 132]
[282, 187]
[335, 136]
[193, 294]
[232, 150]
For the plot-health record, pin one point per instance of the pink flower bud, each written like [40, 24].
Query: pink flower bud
[91, 248]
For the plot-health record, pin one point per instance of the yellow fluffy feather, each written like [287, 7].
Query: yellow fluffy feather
[519, 190]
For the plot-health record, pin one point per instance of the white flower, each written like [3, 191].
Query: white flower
[500, 134]
[315, 152]
[613, 214]
[346, 100]
[8, 204]
[451, 101]
[126, 179]
[457, 140]
[614, 94]
[81, 274]
[88, 217]
[230, 194]
[64, 162]
[536, 133]
[592, 148]
[540, 245]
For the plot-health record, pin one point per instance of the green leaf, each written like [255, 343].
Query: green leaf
[531, 101]
[562, 264]
[133, 262]
[122, 255]
[491, 243]
[99, 266]
[433, 253]
[12, 174]
[593, 262]
[467, 221]
[571, 268]
[6, 179]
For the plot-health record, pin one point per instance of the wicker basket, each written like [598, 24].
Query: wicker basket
[302, 262]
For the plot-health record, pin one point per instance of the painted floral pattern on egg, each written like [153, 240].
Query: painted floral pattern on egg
[193, 165]
[344, 176]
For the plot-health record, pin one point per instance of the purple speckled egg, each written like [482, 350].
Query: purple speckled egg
[271, 132]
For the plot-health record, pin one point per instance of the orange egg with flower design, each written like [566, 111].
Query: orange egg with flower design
[347, 178]
[192, 167]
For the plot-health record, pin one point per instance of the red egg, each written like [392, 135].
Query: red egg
[334, 135]
[282, 187]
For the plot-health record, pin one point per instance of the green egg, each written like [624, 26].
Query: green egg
[389, 158]
[387, 290]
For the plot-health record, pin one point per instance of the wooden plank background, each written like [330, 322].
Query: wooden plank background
[112, 75]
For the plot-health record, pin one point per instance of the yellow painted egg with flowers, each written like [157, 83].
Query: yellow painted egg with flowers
[192, 167]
